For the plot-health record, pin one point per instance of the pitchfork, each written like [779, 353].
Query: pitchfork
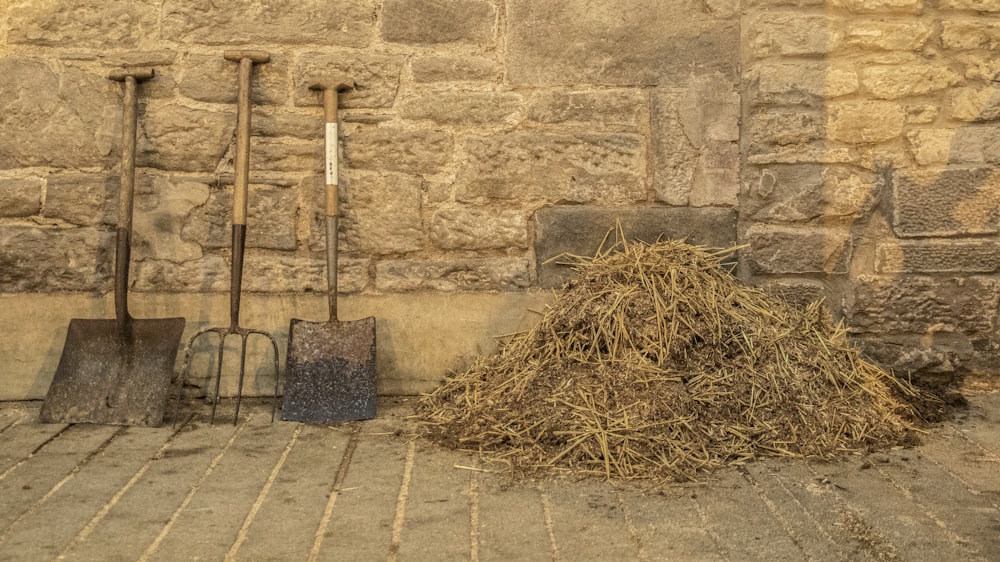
[246, 59]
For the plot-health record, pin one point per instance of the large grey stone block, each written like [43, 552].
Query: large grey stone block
[580, 230]
[922, 304]
[946, 202]
[630, 42]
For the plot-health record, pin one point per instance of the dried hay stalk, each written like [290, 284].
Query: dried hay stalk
[654, 362]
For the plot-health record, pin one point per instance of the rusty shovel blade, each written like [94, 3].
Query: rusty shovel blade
[107, 375]
[330, 373]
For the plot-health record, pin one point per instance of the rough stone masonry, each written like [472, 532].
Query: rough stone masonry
[850, 145]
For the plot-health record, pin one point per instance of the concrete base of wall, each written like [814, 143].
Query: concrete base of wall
[419, 337]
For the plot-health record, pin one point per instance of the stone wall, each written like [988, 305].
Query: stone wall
[847, 143]
[870, 177]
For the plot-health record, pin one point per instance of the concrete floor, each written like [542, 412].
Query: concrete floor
[369, 491]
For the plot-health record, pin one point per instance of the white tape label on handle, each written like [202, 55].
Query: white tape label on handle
[331, 154]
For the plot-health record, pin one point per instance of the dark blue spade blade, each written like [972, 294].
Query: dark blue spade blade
[330, 373]
[110, 376]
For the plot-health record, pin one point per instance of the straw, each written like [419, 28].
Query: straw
[655, 363]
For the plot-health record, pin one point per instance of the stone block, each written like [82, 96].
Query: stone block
[675, 157]
[972, 5]
[898, 81]
[281, 273]
[213, 79]
[344, 23]
[472, 274]
[797, 250]
[966, 145]
[886, 35]
[946, 202]
[938, 256]
[116, 24]
[464, 108]
[969, 34]
[210, 274]
[376, 77]
[580, 230]
[472, 228]
[20, 197]
[395, 149]
[182, 139]
[82, 199]
[159, 215]
[806, 192]
[66, 120]
[798, 292]
[625, 43]
[709, 110]
[922, 305]
[383, 213]
[292, 125]
[816, 153]
[449, 68]
[771, 127]
[865, 122]
[716, 179]
[605, 109]
[921, 114]
[879, 6]
[422, 22]
[791, 34]
[34, 259]
[550, 167]
[275, 155]
[975, 104]
[799, 84]
[271, 215]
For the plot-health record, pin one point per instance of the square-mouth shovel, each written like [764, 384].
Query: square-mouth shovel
[330, 373]
[117, 371]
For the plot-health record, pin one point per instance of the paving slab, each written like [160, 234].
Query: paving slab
[372, 490]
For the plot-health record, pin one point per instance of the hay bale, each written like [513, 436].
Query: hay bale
[654, 362]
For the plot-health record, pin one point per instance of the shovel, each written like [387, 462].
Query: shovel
[330, 374]
[117, 371]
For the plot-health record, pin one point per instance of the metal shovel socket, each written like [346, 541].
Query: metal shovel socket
[117, 371]
[240, 195]
[330, 373]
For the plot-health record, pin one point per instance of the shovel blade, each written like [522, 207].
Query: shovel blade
[330, 374]
[109, 377]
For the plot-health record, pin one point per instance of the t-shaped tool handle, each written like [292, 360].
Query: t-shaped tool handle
[130, 76]
[242, 164]
[331, 88]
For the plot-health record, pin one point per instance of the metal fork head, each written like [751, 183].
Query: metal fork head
[223, 333]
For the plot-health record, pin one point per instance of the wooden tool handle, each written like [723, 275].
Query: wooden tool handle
[242, 161]
[331, 88]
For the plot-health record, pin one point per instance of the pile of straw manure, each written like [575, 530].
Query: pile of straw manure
[654, 362]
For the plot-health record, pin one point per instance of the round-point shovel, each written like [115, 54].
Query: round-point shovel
[330, 374]
[117, 371]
